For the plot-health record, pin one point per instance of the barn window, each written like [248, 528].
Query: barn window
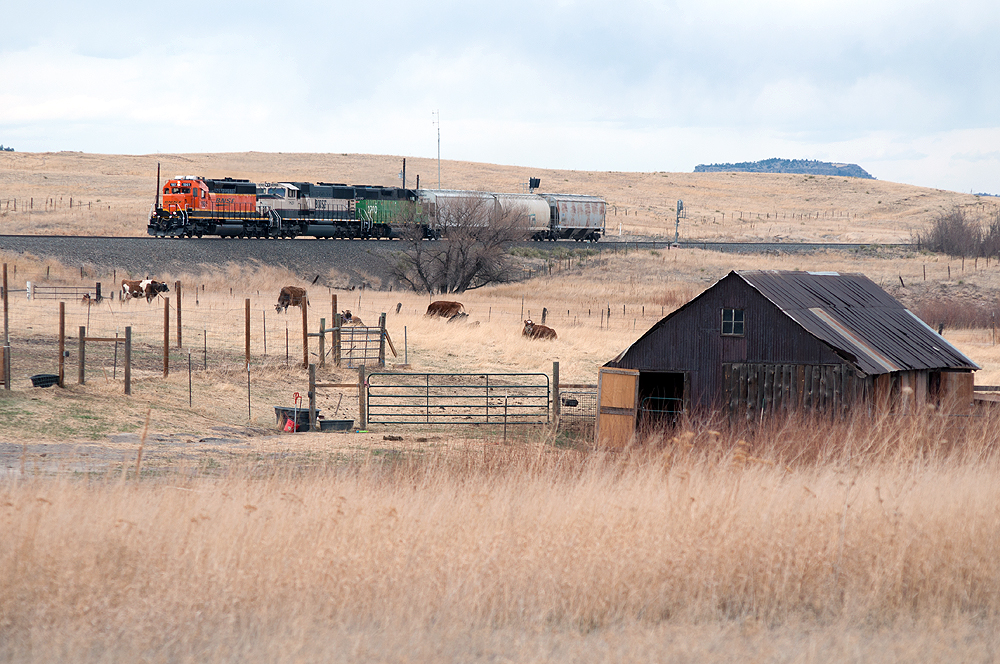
[732, 322]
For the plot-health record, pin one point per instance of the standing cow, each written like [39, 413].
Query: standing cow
[148, 288]
[445, 309]
[290, 296]
[533, 331]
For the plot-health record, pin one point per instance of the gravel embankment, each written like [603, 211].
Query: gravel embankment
[358, 261]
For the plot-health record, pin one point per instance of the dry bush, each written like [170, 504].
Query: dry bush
[955, 313]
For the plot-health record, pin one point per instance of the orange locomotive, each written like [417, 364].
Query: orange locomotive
[189, 193]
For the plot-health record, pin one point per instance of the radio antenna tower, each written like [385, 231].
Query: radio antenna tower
[438, 123]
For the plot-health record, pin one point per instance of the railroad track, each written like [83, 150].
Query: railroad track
[354, 258]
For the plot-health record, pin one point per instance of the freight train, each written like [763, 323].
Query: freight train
[235, 208]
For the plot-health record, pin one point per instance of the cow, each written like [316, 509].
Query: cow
[148, 288]
[533, 331]
[351, 319]
[445, 309]
[290, 296]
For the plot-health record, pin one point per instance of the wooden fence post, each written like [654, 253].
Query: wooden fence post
[246, 334]
[322, 342]
[312, 397]
[62, 344]
[128, 359]
[166, 337]
[305, 333]
[381, 340]
[362, 404]
[177, 287]
[333, 306]
[82, 353]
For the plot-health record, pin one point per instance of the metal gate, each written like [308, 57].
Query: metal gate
[361, 346]
[426, 398]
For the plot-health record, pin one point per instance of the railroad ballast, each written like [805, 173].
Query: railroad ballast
[197, 206]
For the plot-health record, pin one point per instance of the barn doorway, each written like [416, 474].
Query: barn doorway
[662, 397]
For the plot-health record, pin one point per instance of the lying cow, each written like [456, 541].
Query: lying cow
[445, 309]
[290, 296]
[148, 288]
[533, 331]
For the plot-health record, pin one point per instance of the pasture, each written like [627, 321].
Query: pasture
[206, 534]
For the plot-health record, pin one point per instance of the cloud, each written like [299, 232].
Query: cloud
[908, 89]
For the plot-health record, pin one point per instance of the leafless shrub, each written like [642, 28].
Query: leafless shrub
[473, 252]
[957, 313]
[959, 233]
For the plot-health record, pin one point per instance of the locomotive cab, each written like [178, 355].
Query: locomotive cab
[184, 193]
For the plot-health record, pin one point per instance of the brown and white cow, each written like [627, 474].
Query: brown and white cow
[445, 309]
[148, 288]
[351, 319]
[290, 296]
[533, 331]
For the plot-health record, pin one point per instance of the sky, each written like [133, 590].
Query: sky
[907, 89]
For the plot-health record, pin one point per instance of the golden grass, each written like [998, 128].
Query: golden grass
[747, 206]
[872, 540]
[506, 551]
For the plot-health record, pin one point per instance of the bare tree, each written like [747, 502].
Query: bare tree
[476, 233]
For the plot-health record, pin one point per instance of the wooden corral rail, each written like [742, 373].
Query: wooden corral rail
[126, 340]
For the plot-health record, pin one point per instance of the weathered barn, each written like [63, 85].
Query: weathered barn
[765, 341]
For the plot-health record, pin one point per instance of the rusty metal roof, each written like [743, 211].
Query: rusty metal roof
[859, 320]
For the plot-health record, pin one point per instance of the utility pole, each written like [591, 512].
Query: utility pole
[438, 123]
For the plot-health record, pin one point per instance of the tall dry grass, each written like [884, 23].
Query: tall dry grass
[862, 527]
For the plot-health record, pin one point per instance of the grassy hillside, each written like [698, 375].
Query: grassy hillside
[117, 191]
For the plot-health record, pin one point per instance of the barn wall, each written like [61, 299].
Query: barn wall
[752, 389]
[691, 340]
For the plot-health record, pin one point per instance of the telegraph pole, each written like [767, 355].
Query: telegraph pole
[438, 123]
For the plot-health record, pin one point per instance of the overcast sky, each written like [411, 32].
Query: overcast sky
[906, 89]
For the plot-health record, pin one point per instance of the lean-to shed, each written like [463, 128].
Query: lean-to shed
[765, 341]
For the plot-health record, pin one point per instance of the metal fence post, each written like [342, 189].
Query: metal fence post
[62, 344]
[338, 321]
[246, 335]
[177, 287]
[312, 397]
[82, 352]
[381, 340]
[128, 360]
[362, 401]
[555, 393]
[305, 333]
[166, 337]
[6, 334]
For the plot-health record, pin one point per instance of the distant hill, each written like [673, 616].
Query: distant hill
[801, 166]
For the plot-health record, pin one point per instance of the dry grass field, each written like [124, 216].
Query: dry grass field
[117, 191]
[204, 534]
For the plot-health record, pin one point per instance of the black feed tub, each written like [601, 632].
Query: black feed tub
[44, 380]
[300, 416]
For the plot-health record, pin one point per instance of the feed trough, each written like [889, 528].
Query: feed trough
[335, 425]
[298, 415]
[44, 380]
